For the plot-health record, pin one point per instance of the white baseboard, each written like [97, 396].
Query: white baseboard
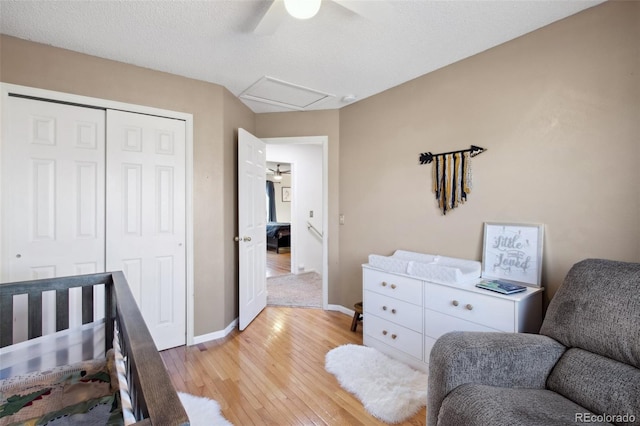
[216, 334]
[342, 309]
[223, 333]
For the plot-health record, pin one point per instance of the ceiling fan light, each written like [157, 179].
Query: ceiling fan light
[277, 177]
[302, 9]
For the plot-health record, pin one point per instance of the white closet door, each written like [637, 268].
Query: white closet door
[146, 217]
[52, 176]
[52, 190]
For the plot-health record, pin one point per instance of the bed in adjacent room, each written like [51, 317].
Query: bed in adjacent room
[278, 235]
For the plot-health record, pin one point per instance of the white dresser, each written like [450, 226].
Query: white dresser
[404, 315]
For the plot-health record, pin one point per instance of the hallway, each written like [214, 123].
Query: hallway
[278, 264]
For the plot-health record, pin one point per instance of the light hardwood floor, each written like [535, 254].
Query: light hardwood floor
[272, 373]
[278, 264]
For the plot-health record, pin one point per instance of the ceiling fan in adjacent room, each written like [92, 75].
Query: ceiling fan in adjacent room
[277, 173]
[305, 9]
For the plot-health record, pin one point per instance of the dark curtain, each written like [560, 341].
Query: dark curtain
[271, 196]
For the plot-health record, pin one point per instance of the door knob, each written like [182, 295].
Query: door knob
[236, 239]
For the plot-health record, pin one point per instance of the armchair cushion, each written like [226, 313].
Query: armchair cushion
[496, 359]
[482, 405]
[597, 308]
[599, 384]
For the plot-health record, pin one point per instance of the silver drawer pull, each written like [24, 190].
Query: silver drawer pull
[384, 332]
[393, 286]
[393, 336]
[384, 308]
[393, 311]
[384, 283]
[469, 306]
[455, 303]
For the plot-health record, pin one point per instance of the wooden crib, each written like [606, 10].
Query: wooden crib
[153, 398]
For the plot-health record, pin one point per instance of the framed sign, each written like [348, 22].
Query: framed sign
[512, 252]
[286, 194]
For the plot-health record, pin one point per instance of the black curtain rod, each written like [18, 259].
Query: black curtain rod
[427, 157]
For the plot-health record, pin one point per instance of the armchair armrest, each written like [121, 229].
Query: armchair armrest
[495, 359]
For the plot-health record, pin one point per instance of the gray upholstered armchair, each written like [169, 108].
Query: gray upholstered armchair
[583, 367]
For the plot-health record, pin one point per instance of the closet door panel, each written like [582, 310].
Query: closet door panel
[146, 217]
[52, 189]
[52, 205]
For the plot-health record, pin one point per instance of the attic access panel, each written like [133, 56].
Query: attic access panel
[281, 93]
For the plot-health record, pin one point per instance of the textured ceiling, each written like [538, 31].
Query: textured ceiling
[337, 52]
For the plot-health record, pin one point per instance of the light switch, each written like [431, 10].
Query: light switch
[341, 219]
[310, 213]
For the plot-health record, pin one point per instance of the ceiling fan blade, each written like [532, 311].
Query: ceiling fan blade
[373, 10]
[271, 19]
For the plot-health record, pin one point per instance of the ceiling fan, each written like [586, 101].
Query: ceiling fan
[277, 173]
[305, 9]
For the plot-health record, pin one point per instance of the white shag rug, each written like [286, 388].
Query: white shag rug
[390, 390]
[202, 411]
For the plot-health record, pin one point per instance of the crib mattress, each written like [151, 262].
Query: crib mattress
[53, 350]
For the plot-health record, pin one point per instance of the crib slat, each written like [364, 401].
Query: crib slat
[6, 320]
[35, 315]
[87, 305]
[109, 315]
[62, 309]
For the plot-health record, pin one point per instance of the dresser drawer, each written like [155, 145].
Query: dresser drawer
[492, 312]
[394, 335]
[394, 310]
[397, 286]
[436, 324]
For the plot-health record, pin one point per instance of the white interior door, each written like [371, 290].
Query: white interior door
[252, 215]
[146, 196]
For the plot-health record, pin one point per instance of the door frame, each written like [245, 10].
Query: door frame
[7, 89]
[324, 141]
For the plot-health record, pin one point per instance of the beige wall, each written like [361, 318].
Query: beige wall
[558, 110]
[315, 123]
[38, 65]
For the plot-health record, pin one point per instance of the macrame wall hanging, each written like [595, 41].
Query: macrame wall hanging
[451, 175]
